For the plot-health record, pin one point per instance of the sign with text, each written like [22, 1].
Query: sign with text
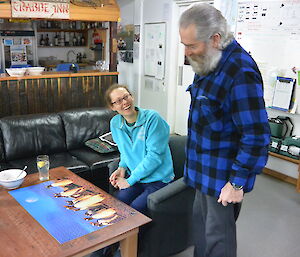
[50, 9]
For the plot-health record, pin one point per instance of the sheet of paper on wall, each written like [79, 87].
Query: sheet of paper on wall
[283, 93]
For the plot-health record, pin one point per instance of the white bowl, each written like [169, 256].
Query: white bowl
[9, 180]
[35, 71]
[16, 72]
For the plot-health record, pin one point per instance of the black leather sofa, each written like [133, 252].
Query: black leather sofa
[61, 136]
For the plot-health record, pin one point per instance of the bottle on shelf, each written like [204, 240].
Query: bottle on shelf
[56, 39]
[45, 24]
[67, 38]
[78, 58]
[47, 43]
[78, 25]
[82, 40]
[42, 41]
[62, 39]
[41, 24]
[78, 40]
[49, 24]
[74, 40]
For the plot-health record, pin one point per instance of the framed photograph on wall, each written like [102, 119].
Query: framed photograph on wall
[8, 41]
[26, 41]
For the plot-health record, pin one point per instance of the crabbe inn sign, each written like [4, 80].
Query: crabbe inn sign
[46, 9]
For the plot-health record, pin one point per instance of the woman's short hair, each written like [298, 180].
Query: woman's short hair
[208, 21]
[110, 89]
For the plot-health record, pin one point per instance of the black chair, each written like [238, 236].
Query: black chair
[170, 209]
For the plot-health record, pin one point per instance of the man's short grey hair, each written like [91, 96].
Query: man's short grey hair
[208, 21]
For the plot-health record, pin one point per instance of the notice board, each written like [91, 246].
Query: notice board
[155, 49]
[270, 31]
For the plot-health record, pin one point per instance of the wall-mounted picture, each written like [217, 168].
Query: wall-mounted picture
[8, 42]
[126, 56]
[18, 54]
[26, 41]
[125, 38]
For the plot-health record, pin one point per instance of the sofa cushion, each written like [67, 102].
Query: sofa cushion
[58, 159]
[5, 166]
[177, 146]
[2, 156]
[84, 124]
[100, 146]
[93, 159]
[31, 135]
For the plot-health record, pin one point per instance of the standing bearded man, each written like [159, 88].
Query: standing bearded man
[228, 130]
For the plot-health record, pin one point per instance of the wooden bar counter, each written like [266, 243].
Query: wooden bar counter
[53, 91]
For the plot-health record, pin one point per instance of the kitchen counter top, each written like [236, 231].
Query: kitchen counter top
[59, 74]
[81, 64]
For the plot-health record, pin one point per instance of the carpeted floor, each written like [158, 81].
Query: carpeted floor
[269, 222]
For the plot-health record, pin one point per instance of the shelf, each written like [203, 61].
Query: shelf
[67, 30]
[284, 177]
[283, 157]
[62, 30]
[61, 46]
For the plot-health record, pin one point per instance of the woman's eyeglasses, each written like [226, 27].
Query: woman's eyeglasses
[120, 100]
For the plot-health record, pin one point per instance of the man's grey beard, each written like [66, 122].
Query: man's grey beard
[202, 65]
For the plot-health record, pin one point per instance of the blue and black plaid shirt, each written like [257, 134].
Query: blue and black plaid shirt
[228, 130]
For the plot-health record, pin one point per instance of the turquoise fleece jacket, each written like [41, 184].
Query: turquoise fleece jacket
[144, 148]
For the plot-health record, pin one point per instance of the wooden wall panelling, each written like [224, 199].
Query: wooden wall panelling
[50, 98]
[88, 91]
[42, 99]
[28, 96]
[5, 105]
[13, 89]
[98, 99]
[94, 94]
[80, 91]
[73, 87]
[55, 93]
[23, 96]
[63, 96]
[85, 90]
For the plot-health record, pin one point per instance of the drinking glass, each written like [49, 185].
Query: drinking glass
[42, 162]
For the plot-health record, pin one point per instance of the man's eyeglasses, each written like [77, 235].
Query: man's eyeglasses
[120, 100]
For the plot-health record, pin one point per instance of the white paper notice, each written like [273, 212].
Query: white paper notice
[283, 93]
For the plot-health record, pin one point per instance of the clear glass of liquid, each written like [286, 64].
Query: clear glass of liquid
[42, 162]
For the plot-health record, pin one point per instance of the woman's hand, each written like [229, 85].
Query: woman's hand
[118, 173]
[122, 183]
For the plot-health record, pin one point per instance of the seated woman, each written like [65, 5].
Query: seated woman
[142, 137]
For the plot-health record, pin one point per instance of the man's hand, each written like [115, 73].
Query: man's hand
[118, 173]
[122, 183]
[230, 195]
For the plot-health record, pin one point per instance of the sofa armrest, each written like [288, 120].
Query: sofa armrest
[171, 197]
[170, 209]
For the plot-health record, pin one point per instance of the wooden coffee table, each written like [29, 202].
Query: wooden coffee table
[22, 235]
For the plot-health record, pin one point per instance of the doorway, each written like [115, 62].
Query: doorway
[185, 74]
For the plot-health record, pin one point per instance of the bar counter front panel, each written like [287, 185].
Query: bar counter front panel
[53, 92]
